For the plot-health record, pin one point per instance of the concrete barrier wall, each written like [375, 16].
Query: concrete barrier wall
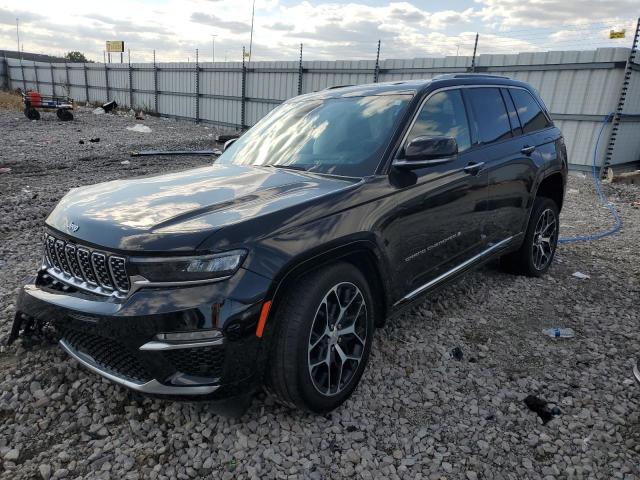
[579, 87]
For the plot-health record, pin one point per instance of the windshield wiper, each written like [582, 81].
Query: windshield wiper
[289, 167]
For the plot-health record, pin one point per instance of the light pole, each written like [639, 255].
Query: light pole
[213, 48]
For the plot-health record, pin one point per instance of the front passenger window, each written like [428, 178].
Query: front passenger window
[443, 115]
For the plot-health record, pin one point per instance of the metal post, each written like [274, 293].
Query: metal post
[106, 79]
[376, 71]
[617, 114]
[35, 73]
[7, 72]
[300, 72]
[155, 83]
[53, 81]
[24, 82]
[68, 84]
[130, 79]
[473, 59]
[244, 93]
[197, 89]
[86, 82]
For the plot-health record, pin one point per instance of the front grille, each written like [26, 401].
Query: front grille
[202, 361]
[85, 268]
[108, 354]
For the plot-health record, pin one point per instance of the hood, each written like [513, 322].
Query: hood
[177, 211]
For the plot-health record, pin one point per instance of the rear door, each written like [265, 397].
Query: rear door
[511, 167]
[437, 218]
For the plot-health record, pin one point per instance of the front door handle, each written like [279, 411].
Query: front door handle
[473, 168]
[528, 150]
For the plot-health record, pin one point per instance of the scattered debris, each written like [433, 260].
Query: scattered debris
[94, 140]
[559, 332]
[109, 106]
[140, 115]
[81, 142]
[456, 353]
[541, 407]
[139, 128]
[99, 111]
[5, 170]
[125, 162]
[629, 178]
[580, 275]
[573, 190]
[146, 153]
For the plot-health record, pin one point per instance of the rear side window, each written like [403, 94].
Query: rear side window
[490, 113]
[443, 115]
[513, 116]
[531, 115]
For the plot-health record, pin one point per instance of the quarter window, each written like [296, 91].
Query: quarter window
[490, 113]
[443, 115]
[531, 115]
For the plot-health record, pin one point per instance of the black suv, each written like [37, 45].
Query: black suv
[274, 265]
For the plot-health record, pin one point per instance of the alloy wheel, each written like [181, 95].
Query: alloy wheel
[544, 239]
[337, 339]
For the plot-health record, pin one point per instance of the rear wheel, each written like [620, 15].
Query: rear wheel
[541, 239]
[323, 339]
[64, 115]
[31, 113]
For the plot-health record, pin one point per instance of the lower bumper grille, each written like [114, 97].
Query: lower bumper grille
[201, 362]
[109, 354]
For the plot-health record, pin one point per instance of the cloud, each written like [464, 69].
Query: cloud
[553, 13]
[9, 16]
[282, 27]
[213, 21]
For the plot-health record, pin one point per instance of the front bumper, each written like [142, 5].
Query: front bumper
[636, 371]
[116, 338]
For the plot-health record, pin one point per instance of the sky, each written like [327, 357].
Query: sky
[328, 30]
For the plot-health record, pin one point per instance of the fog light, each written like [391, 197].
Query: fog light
[189, 336]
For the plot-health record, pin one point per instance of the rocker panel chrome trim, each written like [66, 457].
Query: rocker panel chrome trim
[453, 271]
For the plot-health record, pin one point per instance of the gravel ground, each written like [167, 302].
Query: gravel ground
[420, 411]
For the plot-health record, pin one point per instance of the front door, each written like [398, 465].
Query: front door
[438, 210]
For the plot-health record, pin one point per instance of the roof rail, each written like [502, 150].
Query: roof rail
[338, 86]
[467, 75]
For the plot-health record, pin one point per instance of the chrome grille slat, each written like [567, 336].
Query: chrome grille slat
[72, 259]
[62, 257]
[117, 267]
[84, 260]
[84, 268]
[99, 262]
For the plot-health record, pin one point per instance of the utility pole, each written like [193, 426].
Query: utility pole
[18, 34]
[253, 12]
[213, 48]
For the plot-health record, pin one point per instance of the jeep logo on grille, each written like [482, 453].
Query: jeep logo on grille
[72, 227]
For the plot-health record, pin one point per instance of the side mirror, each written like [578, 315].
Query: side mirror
[425, 151]
[228, 143]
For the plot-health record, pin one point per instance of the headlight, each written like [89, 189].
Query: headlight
[185, 269]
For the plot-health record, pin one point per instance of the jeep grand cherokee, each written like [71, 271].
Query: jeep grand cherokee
[274, 265]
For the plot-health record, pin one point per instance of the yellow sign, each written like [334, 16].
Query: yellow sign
[614, 34]
[115, 46]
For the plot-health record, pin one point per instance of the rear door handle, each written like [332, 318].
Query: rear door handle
[474, 168]
[528, 150]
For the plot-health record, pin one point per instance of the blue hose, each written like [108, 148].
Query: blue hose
[601, 195]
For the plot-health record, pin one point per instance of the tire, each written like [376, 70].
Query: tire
[31, 113]
[64, 115]
[307, 350]
[535, 255]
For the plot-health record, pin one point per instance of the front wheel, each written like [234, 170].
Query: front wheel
[323, 339]
[541, 239]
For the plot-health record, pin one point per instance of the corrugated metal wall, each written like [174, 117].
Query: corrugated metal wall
[579, 87]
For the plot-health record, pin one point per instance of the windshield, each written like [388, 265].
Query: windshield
[340, 136]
